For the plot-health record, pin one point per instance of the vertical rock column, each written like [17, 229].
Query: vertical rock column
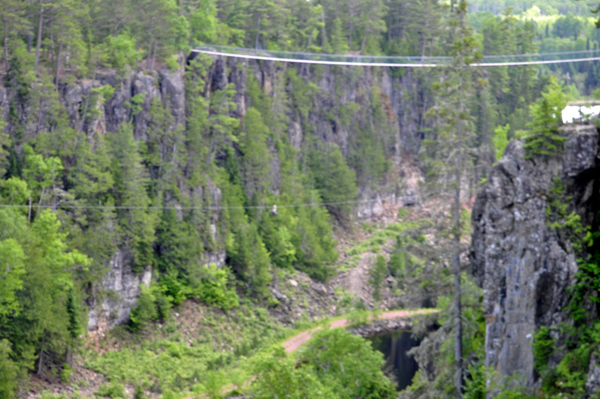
[523, 265]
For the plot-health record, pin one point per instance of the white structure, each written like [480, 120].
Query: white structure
[575, 112]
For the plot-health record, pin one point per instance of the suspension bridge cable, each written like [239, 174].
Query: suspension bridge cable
[393, 61]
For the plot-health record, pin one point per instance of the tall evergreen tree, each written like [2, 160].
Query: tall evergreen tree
[455, 136]
[136, 220]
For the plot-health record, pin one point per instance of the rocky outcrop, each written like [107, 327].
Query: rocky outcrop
[121, 289]
[524, 266]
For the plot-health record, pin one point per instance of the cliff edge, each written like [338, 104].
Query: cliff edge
[524, 266]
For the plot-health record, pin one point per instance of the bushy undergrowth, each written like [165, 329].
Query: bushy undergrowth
[333, 364]
[178, 356]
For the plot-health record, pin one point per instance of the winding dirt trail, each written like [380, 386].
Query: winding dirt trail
[296, 341]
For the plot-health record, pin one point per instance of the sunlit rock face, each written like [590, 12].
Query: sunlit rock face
[524, 266]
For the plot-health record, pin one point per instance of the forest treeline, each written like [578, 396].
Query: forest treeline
[73, 198]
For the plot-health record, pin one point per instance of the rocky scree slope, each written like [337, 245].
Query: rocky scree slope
[524, 266]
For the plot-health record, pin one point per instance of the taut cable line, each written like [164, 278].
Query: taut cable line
[400, 62]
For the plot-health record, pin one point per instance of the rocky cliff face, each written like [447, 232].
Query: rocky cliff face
[403, 98]
[524, 266]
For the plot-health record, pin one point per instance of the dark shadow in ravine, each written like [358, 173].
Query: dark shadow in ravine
[394, 345]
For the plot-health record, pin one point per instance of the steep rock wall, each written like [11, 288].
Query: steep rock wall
[524, 266]
[404, 99]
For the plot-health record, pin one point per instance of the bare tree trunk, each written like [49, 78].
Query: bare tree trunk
[424, 44]
[210, 150]
[351, 12]
[53, 187]
[39, 39]
[257, 32]
[41, 360]
[58, 64]
[323, 30]
[153, 55]
[458, 347]
[364, 42]
[5, 48]
[151, 42]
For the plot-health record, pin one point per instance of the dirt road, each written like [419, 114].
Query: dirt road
[294, 343]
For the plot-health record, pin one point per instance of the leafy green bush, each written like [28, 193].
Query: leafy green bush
[65, 374]
[501, 140]
[213, 288]
[475, 386]
[348, 364]
[397, 263]
[174, 288]
[8, 372]
[145, 311]
[113, 391]
[402, 213]
[543, 347]
[121, 51]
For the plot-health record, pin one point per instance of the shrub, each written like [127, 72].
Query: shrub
[8, 372]
[213, 288]
[121, 51]
[376, 275]
[114, 391]
[543, 347]
[66, 373]
[544, 137]
[397, 263]
[145, 311]
[500, 140]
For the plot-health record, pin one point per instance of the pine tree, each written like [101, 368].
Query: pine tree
[13, 22]
[455, 127]
[250, 259]
[136, 220]
[334, 180]
[256, 154]
[544, 137]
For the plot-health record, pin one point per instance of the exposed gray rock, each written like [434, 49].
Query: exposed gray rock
[122, 287]
[4, 106]
[524, 266]
[172, 90]
[592, 386]
[381, 326]
[146, 86]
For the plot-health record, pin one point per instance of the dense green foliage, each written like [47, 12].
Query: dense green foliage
[334, 364]
[544, 137]
[164, 194]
